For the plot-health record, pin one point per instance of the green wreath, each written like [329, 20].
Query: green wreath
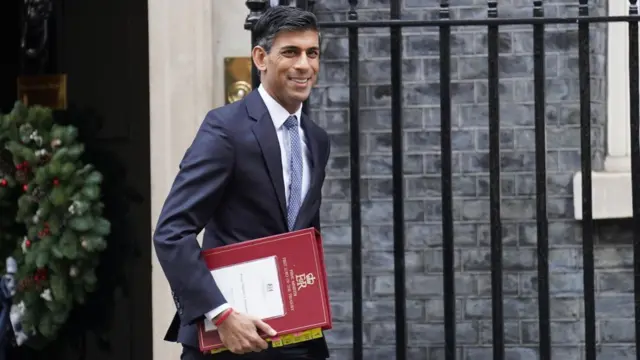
[9, 229]
[60, 210]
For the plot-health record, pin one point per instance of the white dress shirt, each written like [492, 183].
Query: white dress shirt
[279, 115]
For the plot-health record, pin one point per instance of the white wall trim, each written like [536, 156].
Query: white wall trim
[618, 146]
[180, 85]
[611, 188]
[188, 41]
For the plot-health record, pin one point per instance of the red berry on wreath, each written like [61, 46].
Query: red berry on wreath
[25, 187]
[27, 243]
[56, 182]
[19, 166]
[4, 182]
[41, 274]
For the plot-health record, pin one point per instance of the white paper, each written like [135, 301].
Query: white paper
[252, 287]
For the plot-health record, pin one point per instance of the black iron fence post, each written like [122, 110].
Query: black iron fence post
[397, 159]
[354, 166]
[354, 162]
[587, 203]
[446, 155]
[494, 184]
[542, 223]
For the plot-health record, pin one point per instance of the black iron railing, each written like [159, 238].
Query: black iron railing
[493, 22]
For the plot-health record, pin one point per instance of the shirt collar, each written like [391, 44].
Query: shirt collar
[278, 113]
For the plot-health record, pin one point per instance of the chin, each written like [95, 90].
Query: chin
[300, 95]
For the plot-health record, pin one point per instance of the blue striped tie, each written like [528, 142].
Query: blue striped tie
[295, 170]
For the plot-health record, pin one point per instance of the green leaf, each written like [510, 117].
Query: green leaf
[89, 277]
[67, 170]
[81, 223]
[60, 317]
[70, 133]
[94, 178]
[102, 227]
[81, 207]
[42, 258]
[57, 252]
[57, 132]
[76, 150]
[54, 225]
[24, 201]
[68, 236]
[70, 250]
[54, 168]
[95, 243]
[46, 327]
[91, 192]
[30, 257]
[59, 155]
[55, 266]
[68, 244]
[42, 175]
[45, 209]
[58, 196]
[58, 287]
[32, 232]
[52, 305]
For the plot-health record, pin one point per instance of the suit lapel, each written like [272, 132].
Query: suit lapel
[266, 137]
[314, 149]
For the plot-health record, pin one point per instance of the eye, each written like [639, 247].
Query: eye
[289, 52]
[313, 54]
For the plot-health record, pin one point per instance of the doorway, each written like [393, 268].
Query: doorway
[102, 46]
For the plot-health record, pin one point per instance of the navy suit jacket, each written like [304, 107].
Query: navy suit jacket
[229, 183]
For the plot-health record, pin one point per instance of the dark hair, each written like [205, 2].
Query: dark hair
[282, 18]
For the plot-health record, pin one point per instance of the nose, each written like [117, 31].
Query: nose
[303, 62]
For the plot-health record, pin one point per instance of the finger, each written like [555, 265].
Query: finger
[259, 343]
[236, 348]
[264, 327]
[246, 346]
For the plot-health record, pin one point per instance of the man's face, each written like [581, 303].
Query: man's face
[291, 67]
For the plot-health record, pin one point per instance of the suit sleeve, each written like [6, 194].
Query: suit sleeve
[204, 172]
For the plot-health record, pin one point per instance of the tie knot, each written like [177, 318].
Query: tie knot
[292, 122]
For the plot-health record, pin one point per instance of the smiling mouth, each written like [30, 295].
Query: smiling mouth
[300, 81]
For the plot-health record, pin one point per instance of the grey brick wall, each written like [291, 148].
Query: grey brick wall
[470, 140]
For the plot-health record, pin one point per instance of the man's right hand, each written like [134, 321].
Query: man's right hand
[239, 333]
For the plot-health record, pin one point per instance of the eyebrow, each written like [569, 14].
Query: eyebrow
[292, 47]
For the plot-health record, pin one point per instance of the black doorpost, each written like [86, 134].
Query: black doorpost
[256, 9]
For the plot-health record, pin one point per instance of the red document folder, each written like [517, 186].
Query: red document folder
[281, 279]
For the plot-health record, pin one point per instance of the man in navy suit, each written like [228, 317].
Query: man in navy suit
[255, 168]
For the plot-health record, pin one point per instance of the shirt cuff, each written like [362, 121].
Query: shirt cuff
[217, 311]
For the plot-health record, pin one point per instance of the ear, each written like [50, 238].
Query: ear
[259, 55]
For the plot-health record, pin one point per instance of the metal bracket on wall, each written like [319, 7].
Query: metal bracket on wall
[237, 78]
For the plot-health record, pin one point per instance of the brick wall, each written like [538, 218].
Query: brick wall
[422, 186]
